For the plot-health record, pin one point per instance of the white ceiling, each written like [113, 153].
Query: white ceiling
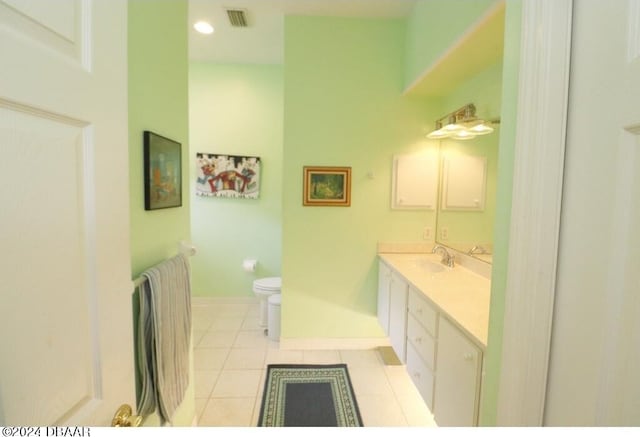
[263, 41]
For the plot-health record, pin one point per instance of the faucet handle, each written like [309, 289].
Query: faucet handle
[478, 249]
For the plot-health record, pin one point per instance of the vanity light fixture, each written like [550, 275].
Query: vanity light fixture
[462, 124]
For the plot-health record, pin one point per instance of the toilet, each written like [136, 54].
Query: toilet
[263, 288]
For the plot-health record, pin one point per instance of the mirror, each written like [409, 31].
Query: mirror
[467, 198]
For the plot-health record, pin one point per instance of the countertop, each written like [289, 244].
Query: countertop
[462, 295]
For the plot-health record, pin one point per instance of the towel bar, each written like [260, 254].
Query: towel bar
[184, 248]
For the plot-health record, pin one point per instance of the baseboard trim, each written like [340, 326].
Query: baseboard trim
[332, 343]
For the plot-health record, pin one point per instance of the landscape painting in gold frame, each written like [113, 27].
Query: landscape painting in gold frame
[327, 186]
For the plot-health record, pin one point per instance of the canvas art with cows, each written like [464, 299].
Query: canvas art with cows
[227, 176]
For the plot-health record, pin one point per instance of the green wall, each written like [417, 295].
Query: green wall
[493, 358]
[435, 25]
[158, 101]
[236, 110]
[343, 107]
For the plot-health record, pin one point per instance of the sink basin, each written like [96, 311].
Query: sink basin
[429, 266]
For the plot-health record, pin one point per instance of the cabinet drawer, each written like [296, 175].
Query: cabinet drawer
[422, 341]
[423, 311]
[421, 376]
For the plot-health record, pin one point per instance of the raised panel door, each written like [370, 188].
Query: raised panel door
[457, 387]
[66, 330]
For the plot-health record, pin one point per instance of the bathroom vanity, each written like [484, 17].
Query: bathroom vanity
[437, 319]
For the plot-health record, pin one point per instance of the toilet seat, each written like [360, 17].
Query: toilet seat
[267, 285]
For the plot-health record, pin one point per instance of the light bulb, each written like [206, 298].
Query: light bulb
[463, 135]
[452, 125]
[437, 134]
[480, 129]
[203, 27]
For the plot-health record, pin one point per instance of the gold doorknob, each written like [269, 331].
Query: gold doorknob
[124, 417]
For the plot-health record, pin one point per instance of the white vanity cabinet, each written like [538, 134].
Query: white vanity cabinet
[443, 361]
[457, 390]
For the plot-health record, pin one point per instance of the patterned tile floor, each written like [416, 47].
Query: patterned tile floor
[231, 354]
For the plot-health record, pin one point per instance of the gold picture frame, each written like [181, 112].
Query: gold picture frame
[326, 186]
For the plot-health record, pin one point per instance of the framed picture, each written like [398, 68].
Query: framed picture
[327, 186]
[232, 176]
[162, 172]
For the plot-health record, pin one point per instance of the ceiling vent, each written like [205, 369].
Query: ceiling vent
[237, 17]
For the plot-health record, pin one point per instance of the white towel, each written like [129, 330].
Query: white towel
[164, 334]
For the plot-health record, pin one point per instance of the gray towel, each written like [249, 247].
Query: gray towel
[164, 334]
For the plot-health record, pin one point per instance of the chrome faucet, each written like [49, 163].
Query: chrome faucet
[447, 258]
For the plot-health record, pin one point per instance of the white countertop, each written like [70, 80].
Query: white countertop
[461, 294]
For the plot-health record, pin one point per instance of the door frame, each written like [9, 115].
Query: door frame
[543, 89]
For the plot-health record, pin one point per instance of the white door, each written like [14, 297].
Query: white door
[65, 285]
[594, 370]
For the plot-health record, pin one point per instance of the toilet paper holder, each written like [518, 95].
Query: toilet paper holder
[249, 265]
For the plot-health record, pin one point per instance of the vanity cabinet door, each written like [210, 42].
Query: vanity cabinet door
[398, 315]
[384, 281]
[457, 388]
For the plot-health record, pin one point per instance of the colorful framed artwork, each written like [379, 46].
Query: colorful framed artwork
[327, 186]
[162, 172]
[227, 176]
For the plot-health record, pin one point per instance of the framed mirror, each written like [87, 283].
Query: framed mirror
[467, 197]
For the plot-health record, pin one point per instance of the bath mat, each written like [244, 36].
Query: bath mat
[308, 395]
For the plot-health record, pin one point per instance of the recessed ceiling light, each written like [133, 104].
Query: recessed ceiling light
[203, 27]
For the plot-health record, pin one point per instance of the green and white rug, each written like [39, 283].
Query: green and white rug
[308, 395]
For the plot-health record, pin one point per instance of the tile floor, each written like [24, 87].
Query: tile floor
[231, 353]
